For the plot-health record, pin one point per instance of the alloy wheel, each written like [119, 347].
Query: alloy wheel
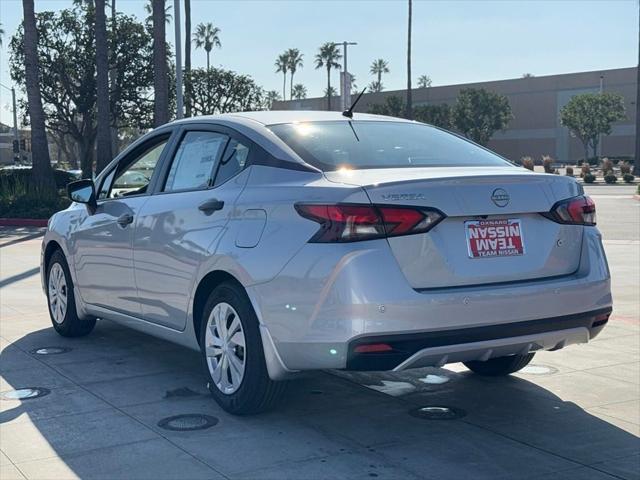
[58, 295]
[225, 348]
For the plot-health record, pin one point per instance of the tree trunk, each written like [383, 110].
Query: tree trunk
[291, 88]
[160, 68]
[409, 106]
[112, 79]
[208, 63]
[187, 56]
[41, 172]
[102, 89]
[284, 86]
[85, 145]
[329, 88]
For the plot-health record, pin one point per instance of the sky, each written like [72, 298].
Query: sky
[454, 41]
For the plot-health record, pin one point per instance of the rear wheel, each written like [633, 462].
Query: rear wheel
[61, 300]
[232, 351]
[499, 366]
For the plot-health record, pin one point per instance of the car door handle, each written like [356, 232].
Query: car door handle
[125, 219]
[211, 205]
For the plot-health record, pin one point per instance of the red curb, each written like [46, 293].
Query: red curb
[23, 222]
[637, 197]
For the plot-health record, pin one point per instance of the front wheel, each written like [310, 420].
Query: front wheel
[232, 351]
[499, 366]
[61, 300]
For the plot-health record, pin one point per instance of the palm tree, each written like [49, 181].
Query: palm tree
[42, 175]
[1, 33]
[282, 65]
[148, 7]
[330, 92]
[409, 104]
[375, 86]
[187, 56]
[295, 62]
[270, 97]
[378, 67]
[424, 81]
[102, 89]
[299, 91]
[207, 36]
[328, 57]
[160, 67]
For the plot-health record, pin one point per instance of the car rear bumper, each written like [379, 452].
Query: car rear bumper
[330, 297]
[477, 343]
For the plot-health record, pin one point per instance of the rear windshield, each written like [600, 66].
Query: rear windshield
[370, 144]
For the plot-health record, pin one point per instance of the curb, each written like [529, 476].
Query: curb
[23, 222]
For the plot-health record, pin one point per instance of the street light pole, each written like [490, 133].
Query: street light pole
[177, 22]
[345, 98]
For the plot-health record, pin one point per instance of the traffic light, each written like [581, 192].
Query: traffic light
[16, 146]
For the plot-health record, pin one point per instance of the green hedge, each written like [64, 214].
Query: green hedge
[18, 199]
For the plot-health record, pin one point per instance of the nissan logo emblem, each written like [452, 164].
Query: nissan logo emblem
[500, 197]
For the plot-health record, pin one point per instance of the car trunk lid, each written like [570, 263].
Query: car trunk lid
[474, 199]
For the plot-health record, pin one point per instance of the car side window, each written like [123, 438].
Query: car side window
[194, 161]
[133, 177]
[233, 161]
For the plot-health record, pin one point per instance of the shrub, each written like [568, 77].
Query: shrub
[625, 168]
[589, 178]
[8, 176]
[18, 200]
[527, 162]
[610, 178]
[628, 178]
[585, 170]
[607, 166]
[569, 172]
[547, 163]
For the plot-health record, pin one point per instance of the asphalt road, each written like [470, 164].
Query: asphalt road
[574, 414]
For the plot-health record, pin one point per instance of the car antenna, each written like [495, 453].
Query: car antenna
[349, 112]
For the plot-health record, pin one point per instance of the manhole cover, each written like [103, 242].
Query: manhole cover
[25, 393]
[438, 413]
[50, 350]
[188, 422]
[538, 370]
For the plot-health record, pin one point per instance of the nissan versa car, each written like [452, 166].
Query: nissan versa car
[278, 242]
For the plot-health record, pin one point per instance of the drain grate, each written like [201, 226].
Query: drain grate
[26, 393]
[438, 413]
[538, 370]
[188, 422]
[50, 350]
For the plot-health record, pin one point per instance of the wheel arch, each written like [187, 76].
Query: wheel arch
[210, 281]
[275, 366]
[51, 247]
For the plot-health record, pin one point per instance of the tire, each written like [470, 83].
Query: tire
[500, 366]
[248, 392]
[61, 300]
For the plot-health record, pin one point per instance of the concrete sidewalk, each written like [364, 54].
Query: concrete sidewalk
[576, 414]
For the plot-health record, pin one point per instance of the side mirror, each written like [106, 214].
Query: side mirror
[83, 191]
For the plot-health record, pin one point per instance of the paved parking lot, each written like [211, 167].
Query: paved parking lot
[574, 414]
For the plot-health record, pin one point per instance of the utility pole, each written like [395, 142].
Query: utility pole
[636, 163]
[345, 98]
[16, 136]
[599, 152]
[176, 21]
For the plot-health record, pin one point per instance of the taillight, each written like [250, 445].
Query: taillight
[345, 222]
[574, 211]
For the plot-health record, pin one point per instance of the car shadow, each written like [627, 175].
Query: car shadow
[109, 391]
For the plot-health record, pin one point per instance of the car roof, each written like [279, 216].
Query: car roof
[273, 117]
